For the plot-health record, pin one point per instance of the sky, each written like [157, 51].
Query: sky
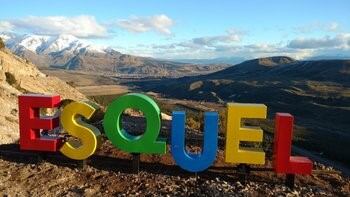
[189, 29]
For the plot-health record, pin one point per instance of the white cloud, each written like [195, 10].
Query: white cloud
[333, 26]
[230, 45]
[341, 40]
[318, 26]
[231, 36]
[83, 26]
[159, 23]
[247, 51]
[227, 45]
[5, 26]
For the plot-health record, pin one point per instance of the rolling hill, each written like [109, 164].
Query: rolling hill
[317, 93]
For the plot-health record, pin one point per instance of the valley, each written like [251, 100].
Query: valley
[106, 90]
[315, 92]
[320, 107]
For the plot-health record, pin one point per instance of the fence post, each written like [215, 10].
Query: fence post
[136, 162]
[290, 181]
[243, 172]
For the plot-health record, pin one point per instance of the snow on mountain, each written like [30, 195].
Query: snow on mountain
[40, 44]
[62, 42]
[7, 36]
[98, 49]
[33, 43]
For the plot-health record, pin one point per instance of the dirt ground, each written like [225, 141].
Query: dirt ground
[109, 173]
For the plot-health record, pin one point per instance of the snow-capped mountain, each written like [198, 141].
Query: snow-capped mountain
[62, 51]
[69, 52]
[40, 44]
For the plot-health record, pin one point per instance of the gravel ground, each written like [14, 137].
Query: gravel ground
[109, 173]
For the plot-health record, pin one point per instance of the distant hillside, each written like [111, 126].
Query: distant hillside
[316, 92]
[279, 67]
[220, 60]
[68, 52]
[17, 77]
[253, 67]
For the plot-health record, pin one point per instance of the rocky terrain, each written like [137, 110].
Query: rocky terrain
[18, 76]
[110, 173]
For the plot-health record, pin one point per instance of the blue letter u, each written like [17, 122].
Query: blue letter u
[194, 162]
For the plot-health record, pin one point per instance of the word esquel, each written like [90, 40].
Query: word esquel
[72, 121]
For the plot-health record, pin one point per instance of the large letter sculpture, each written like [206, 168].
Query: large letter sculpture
[189, 161]
[146, 143]
[31, 124]
[235, 133]
[283, 162]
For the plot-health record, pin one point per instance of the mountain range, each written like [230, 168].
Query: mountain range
[69, 52]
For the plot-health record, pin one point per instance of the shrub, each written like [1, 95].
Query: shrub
[222, 121]
[10, 78]
[71, 83]
[192, 123]
[2, 44]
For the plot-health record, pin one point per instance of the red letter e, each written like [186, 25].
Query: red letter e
[30, 122]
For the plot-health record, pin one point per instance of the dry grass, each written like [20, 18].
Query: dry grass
[102, 90]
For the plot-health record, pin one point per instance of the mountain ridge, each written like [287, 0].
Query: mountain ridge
[68, 52]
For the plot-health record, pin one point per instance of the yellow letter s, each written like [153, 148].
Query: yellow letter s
[88, 135]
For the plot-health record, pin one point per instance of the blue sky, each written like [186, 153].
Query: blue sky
[191, 29]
